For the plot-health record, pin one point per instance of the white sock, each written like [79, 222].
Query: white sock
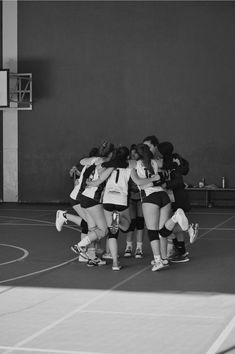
[157, 258]
[91, 252]
[84, 242]
[129, 244]
[139, 245]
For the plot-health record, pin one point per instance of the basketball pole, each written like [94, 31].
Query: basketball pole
[10, 117]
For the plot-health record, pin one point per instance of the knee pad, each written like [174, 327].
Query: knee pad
[110, 235]
[153, 235]
[84, 227]
[164, 232]
[132, 225]
[140, 222]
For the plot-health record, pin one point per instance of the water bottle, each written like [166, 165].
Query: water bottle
[223, 182]
[202, 183]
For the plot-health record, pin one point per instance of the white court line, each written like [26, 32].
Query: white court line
[34, 224]
[39, 271]
[72, 313]
[49, 223]
[215, 227]
[26, 253]
[144, 314]
[222, 337]
[47, 351]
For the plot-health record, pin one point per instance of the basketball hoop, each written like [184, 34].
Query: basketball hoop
[15, 90]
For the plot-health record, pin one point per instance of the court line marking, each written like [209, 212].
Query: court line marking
[76, 310]
[34, 224]
[215, 227]
[26, 349]
[49, 223]
[222, 337]
[39, 271]
[26, 253]
[153, 314]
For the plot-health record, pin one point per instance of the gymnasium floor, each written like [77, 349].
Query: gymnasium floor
[50, 303]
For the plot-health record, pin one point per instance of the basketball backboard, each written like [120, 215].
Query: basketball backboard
[15, 90]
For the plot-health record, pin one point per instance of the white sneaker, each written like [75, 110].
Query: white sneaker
[116, 267]
[96, 262]
[128, 252]
[82, 259]
[193, 232]
[158, 265]
[60, 219]
[180, 218]
[164, 261]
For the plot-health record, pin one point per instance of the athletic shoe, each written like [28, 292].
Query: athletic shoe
[60, 219]
[180, 218]
[115, 223]
[193, 232]
[139, 253]
[158, 265]
[81, 251]
[164, 261]
[128, 252]
[81, 259]
[180, 258]
[117, 267]
[107, 256]
[96, 262]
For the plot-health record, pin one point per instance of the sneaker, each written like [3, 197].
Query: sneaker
[164, 261]
[81, 259]
[107, 255]
[117, 267]
[139, 253]
[80, 250]
[176, 252]
[115, 223]
[193, 232]
[180, 258]
[128, 252]
[158, 265]
[60, 219]
[180, 218]
[96, 262]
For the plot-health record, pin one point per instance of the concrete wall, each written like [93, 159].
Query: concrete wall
[121, 71]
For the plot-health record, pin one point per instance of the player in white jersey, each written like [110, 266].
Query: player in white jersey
[155, 202]
[91, 201]
[115, 200]
[137, 220]
[63, 216]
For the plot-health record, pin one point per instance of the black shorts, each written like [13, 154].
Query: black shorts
[114, 207]
[87, 202]
[74, 201]
[159, 198]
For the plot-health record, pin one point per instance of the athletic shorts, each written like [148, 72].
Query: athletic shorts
[158, 198]
[74, 201]
[87, 202]
[114, 207]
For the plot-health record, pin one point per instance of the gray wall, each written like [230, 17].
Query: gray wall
[121, 71]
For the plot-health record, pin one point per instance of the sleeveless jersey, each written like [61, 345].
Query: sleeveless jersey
[142, 172]
[94, 192]
[116, 189]
[80, 186]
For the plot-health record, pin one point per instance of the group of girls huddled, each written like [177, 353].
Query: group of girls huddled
[131, 190]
